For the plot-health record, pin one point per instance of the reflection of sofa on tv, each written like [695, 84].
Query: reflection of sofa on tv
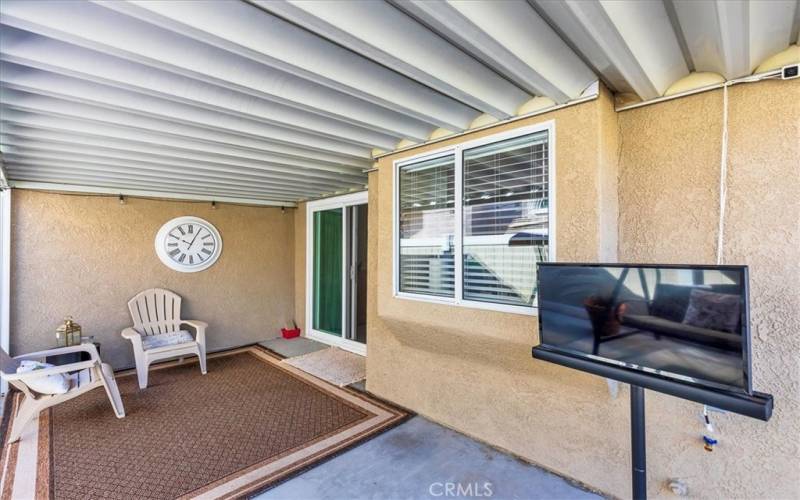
[703, 314]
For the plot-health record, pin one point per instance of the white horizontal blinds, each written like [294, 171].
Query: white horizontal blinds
[505, 220]
[427, 226]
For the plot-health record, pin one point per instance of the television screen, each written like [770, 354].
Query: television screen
[688, 323]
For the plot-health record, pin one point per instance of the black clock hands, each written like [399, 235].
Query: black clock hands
[193, 239]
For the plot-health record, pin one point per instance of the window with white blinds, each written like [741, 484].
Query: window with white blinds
[427, 226]
[505, 215]
[486, 254]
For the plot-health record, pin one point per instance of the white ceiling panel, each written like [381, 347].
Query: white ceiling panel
[82, 65]
[513, 39]
[275, 102]
[74, 89]
[239, 131]
[733, 37]
[21, 147]
[633, 41]
[243, 29]
[196, 151]
[130, 39]
[386, 35]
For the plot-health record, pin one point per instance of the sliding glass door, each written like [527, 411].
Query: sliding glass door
[336, 284]
[328, 271]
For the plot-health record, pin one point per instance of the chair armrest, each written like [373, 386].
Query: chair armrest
[197, 324]
[88, 347]
[135, 338]
[130, 334]
[72, 367]
[199, 327]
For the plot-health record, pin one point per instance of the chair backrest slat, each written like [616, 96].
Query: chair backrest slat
[144, 310]
[155, 311]
[174, 305]
[151, 312]
[160, 315]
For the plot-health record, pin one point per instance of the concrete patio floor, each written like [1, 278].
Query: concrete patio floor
[420, 459]
[290, 348]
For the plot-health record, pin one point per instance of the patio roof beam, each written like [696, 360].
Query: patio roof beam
[269, 154]
[733, 38]
[20, 135]
[298, 175]
[406, 46]
[47, 171]
[243, 29]
[185, 169]
[312, 169]
[122, 183]
[511, 38]
[632, 44]
[216, 123]
[36, 50]
[140, 82]
[145, 192]
[301, 67]
[12, 144]
[93, 160]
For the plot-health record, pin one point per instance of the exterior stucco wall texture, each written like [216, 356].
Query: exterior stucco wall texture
[86, 256]
[472, 369]
[669, 179]
[655, 170]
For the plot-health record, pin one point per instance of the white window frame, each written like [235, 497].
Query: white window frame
[457, 152]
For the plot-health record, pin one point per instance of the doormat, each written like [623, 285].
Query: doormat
[248, 424]
[334, 365]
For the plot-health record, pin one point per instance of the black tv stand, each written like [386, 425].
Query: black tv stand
[756, 405]
[638, 449]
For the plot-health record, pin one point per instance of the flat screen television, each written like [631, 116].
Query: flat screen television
[684, 323]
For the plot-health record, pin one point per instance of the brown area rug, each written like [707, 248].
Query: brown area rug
[248, 424]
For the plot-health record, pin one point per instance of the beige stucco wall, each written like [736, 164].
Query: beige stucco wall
[86, 256]
[472, 369]
[652, 171]
[608, 177]
[669, 200]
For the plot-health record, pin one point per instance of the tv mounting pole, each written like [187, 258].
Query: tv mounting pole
[638, 450]
[755, 405]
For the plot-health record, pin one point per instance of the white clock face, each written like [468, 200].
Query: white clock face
[188, 244]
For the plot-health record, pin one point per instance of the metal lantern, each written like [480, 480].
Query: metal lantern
[69, 333]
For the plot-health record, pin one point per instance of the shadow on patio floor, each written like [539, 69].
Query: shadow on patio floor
[419, 459]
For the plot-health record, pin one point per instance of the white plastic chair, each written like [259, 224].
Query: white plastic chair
[157, 334]
[86, 375]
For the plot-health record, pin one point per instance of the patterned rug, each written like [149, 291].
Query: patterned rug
[337, 366]
[250, 423]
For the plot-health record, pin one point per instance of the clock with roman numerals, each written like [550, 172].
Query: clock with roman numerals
[188, 244]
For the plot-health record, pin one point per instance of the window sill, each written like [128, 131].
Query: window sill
[487, 306]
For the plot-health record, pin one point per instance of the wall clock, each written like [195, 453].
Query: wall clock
[188, 244]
